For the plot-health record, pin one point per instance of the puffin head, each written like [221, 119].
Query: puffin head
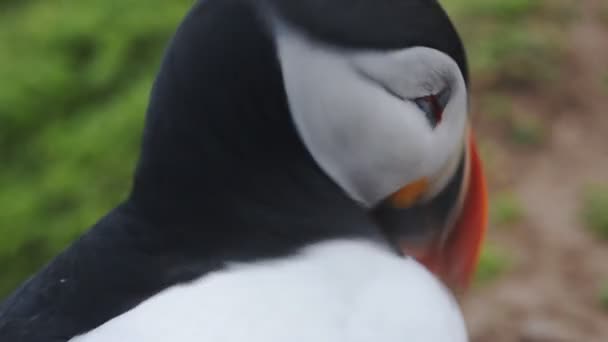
[378, 93]
[286, 122]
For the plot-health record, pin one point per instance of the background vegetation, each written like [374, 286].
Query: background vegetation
[74, 81]
[75, 77]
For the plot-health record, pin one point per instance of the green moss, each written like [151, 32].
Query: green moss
[506, 209]
[94, 50]
[603, 296]
[75, 78]
[595, 210]
[603, 15]
[493, 263]
[511, 43]
[526, 130]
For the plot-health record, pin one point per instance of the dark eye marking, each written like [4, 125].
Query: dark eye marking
[433, 105]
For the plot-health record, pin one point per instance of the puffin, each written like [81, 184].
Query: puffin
[308, 172]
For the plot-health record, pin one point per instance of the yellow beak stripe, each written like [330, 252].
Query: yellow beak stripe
[409, 194]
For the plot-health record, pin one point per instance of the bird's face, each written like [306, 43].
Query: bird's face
[391, 128]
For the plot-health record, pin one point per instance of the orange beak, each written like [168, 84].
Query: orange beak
[455, 259]
[445, 233]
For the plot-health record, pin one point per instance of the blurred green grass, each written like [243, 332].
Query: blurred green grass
[505, 210]
[595, 210]
[603, 296]
[512, 43]
[493, 263]
[74, 82]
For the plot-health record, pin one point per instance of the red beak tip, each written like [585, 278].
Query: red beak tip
[457, 261]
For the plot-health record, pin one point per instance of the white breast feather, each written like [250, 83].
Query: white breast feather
[341, 291]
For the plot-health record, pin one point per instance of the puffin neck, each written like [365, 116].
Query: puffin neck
[221, 159]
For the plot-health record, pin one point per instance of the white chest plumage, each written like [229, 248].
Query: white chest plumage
[350, 291]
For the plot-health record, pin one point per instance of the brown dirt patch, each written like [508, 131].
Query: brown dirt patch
[551, 292]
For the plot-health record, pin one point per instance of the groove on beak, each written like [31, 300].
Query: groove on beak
[455, 259]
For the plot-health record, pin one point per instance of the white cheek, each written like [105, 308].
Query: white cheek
[416, 72]
[369, 142]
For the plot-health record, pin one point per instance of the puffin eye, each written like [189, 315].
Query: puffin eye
[433, 105]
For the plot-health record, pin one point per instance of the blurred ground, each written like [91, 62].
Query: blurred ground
[74, 81]
[551, 290]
